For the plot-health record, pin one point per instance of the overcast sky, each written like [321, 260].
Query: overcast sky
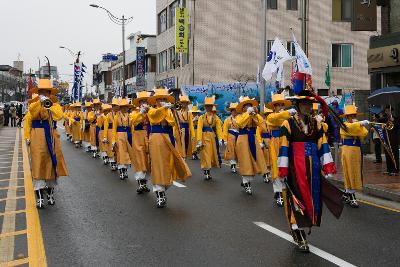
[36, 28]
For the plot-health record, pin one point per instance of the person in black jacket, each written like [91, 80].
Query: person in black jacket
[393, 135]
[6, 115]
[19, 115]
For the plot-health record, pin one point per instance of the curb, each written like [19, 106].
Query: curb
[372, 190]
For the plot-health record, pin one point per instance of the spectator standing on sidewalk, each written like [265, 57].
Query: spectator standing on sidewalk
[6, 115]
[334, 131]
[377, 141]
[13, 115]
[393, 135]
[19, 115]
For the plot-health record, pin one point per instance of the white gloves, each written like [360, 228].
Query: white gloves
[167, 105]
[262, 145]
[43, 98]
[221, 142]
[199, 144]
[292, 111]
[319, 118]
[105, 141]
[28, 141]
[364, 122]
[250, 110]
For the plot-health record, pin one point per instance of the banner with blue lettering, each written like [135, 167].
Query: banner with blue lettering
[140, 67]
[383, 136]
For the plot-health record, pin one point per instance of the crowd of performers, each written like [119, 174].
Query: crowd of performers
[285, 144]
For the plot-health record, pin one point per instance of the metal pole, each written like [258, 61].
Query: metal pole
[263, 51]
[193, 30]
[304, 25]
[123, 57]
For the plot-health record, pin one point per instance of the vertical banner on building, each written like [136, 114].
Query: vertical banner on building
[140, 68]
[181, 30]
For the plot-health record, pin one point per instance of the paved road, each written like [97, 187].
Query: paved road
[99, 220]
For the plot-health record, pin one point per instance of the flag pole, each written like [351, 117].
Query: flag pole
[263, 51]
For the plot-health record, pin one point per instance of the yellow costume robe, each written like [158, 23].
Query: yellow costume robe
[209, 132]
[351, 154]
[92, 118]
[167, 164]
[250, 156]
[66, 122]
[101, 120]
[108, 133]
[230, 132]
[88, 118]
[42, 141]
[140, 142]
[76, 122]
[274, 123]
[122, 136]
[187, 133]
[195, 124]
[264, 136]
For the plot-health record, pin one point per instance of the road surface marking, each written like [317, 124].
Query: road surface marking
[36, 252]
[22, 232]
[325, 255]
[8, 225]
[11, 187]
[15, 198]
[378, 206]
[178, 184]
[10, 172]
[6, 179]
[16, 262]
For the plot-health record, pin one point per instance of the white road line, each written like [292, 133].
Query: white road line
[178, 184]
[323, 254]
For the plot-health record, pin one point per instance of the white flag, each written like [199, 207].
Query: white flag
[276, 57]
[303, 64]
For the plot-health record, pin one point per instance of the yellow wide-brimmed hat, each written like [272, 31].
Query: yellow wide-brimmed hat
[105, 107]
[114, 102]
[245, 100]
[45, 84]
[160, 93]
[278, 99]
[214, 109]
[195, 109]
[123, 102]
[350, 110]
[209, 101]
[267, 110]
[184, 99]
[232, 106]
[76, 105]
[142, 95]
[96, 102]
[88, 104]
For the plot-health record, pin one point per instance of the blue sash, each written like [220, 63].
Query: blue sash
[265, 135]
[164, 130]
[276, 133]
[351, 142]
[251, 135]
[97, 135]
[110, 125]
[127, 130]
[185, 125]
[235, 134]
[77, 119]
[49, 140]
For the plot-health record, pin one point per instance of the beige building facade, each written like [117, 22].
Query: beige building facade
[225, 41]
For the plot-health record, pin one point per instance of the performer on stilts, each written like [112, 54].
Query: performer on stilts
[274, 122]
[187, 134]
[304, 161]
[209, 138]
[352, 154]
[231, 132]
[250, 156]
[264, 137]
[167, 165]
[140, 140]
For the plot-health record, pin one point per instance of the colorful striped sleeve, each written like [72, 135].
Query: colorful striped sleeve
[283, 159]
[324, 153]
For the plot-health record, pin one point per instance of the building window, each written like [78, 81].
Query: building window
[162, 62]
[291, 4]
[342, 55]
[162, 21]
[323, 92]
[172, 11]
[342, 10]
[290, 48]
[269, 45]
[172, 58]
[272, 4]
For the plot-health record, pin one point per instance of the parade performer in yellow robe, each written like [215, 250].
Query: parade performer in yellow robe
[76, 122]
[108, 128]
[47, 162]
[103, 126]
[88, 117]
[264, 136]
[94, 130]
[250, 156]
[140, 140]
[274, 123]
[352, 154]
[187, 134]
[209, 138]
[231, 132]
[66, 121]
[167, 165]
[304, 161]
[122, 138]
[196, 115]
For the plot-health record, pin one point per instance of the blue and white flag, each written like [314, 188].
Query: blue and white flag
[280, 77]
[303, 64]
[276, 57]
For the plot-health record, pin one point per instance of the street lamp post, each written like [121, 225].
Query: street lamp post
[119, 21]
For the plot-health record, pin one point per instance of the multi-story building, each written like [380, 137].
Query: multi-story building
[384, 52]
[102, 79]
[225, 39]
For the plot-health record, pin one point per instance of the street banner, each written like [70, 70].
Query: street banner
[276, 57]
[303, 64]
[77, 82]
[384, 138]
[140, 67]
[181, 30]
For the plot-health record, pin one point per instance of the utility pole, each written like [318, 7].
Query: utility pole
[263, 51]
[304, 25]
[124, 92]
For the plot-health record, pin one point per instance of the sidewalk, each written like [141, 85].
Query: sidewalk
[375, 182]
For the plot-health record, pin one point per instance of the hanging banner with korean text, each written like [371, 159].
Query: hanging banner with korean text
[181, 30]
[140, 68]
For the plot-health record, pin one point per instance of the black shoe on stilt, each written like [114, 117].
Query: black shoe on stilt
[121, 174]
[233, 168]
[299, 236]
[266, 178]
[278, 199]
[353, 201]
[39, 198]
[161, 199]
[50, 196]
[207, 175]
[247, 188]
